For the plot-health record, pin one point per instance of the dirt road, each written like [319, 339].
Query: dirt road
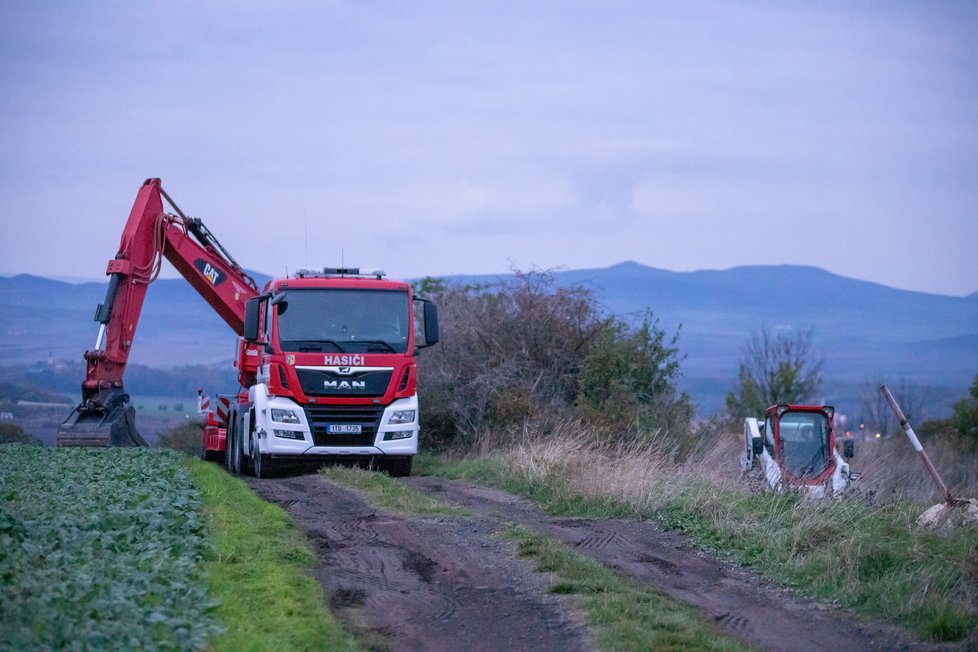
[423, 583]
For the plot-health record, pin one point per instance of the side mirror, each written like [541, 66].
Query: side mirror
[252, 319]
[431, 333]
[848, 449]
[425, 323]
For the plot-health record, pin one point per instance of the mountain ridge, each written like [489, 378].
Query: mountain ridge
[864, 329]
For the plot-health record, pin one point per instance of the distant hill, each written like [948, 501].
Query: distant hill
[866, 331]
[46, 318]
[861, 327]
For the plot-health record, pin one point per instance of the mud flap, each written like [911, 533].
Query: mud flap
[100, 428]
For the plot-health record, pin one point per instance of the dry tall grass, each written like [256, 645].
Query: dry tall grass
[893, 471]
[649, 473]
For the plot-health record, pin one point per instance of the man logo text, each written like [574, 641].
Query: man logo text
[347, 385]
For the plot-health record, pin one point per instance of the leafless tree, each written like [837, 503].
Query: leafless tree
[914, 400]
[774, 369]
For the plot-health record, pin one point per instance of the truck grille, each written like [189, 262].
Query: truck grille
[321, 382]
[366, 416]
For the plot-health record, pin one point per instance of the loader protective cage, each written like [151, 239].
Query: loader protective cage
[803, 442]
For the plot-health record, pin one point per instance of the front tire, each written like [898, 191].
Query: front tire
[261, 463]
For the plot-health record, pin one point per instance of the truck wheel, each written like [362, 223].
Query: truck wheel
[397, 466]
[261, 463]
[228, 438]
[235, 453]
[248, 440]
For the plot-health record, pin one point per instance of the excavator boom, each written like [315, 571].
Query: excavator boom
[104, 416]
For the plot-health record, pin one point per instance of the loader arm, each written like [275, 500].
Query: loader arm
[104, 416]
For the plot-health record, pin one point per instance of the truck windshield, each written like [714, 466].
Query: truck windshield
[804, 442]
[346, 321]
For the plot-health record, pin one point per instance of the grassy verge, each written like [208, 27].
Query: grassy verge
[266, 600]
[623, 614]
[390, 494]
[874, 562]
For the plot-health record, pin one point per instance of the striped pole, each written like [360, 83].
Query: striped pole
[948, 498]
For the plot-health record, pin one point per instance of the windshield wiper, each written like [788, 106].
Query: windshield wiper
[384, 346]
[311, 345]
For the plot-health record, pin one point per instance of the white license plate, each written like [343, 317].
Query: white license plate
[344, 428]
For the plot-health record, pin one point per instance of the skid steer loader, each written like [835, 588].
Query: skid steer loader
[793, 448]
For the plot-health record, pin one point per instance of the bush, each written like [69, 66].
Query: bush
[11, 433]
[966, 414]
[523, 356]
[627, 378]
[187, 438]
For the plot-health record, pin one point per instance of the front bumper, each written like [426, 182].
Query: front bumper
[341, 431]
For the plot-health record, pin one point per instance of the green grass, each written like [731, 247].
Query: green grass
[622, 614]
[257, 572]
[390, 494]
[874, 562]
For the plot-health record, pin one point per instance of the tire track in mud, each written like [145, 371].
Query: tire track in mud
[423, 583]
[738, 602]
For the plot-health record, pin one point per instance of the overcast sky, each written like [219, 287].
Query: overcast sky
[469, 137]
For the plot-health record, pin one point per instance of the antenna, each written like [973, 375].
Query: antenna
[342, 257]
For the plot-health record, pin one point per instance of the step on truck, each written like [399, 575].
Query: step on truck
[325, 358]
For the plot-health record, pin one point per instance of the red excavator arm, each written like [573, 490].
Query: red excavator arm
[104, 416]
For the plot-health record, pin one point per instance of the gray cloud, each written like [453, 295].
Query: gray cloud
[438, 139]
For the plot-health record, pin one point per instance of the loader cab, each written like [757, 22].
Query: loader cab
[803, 442]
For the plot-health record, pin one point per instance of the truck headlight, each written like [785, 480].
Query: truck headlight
[284, 416]
[401, 416]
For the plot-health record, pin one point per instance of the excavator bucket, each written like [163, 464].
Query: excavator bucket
[86, 426]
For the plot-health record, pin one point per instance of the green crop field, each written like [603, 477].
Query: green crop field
[101, 549]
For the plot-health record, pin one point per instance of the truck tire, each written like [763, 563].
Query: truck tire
[397, 466]
[261, 463]
[228, 439]
[235, 448]
[247, 440]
